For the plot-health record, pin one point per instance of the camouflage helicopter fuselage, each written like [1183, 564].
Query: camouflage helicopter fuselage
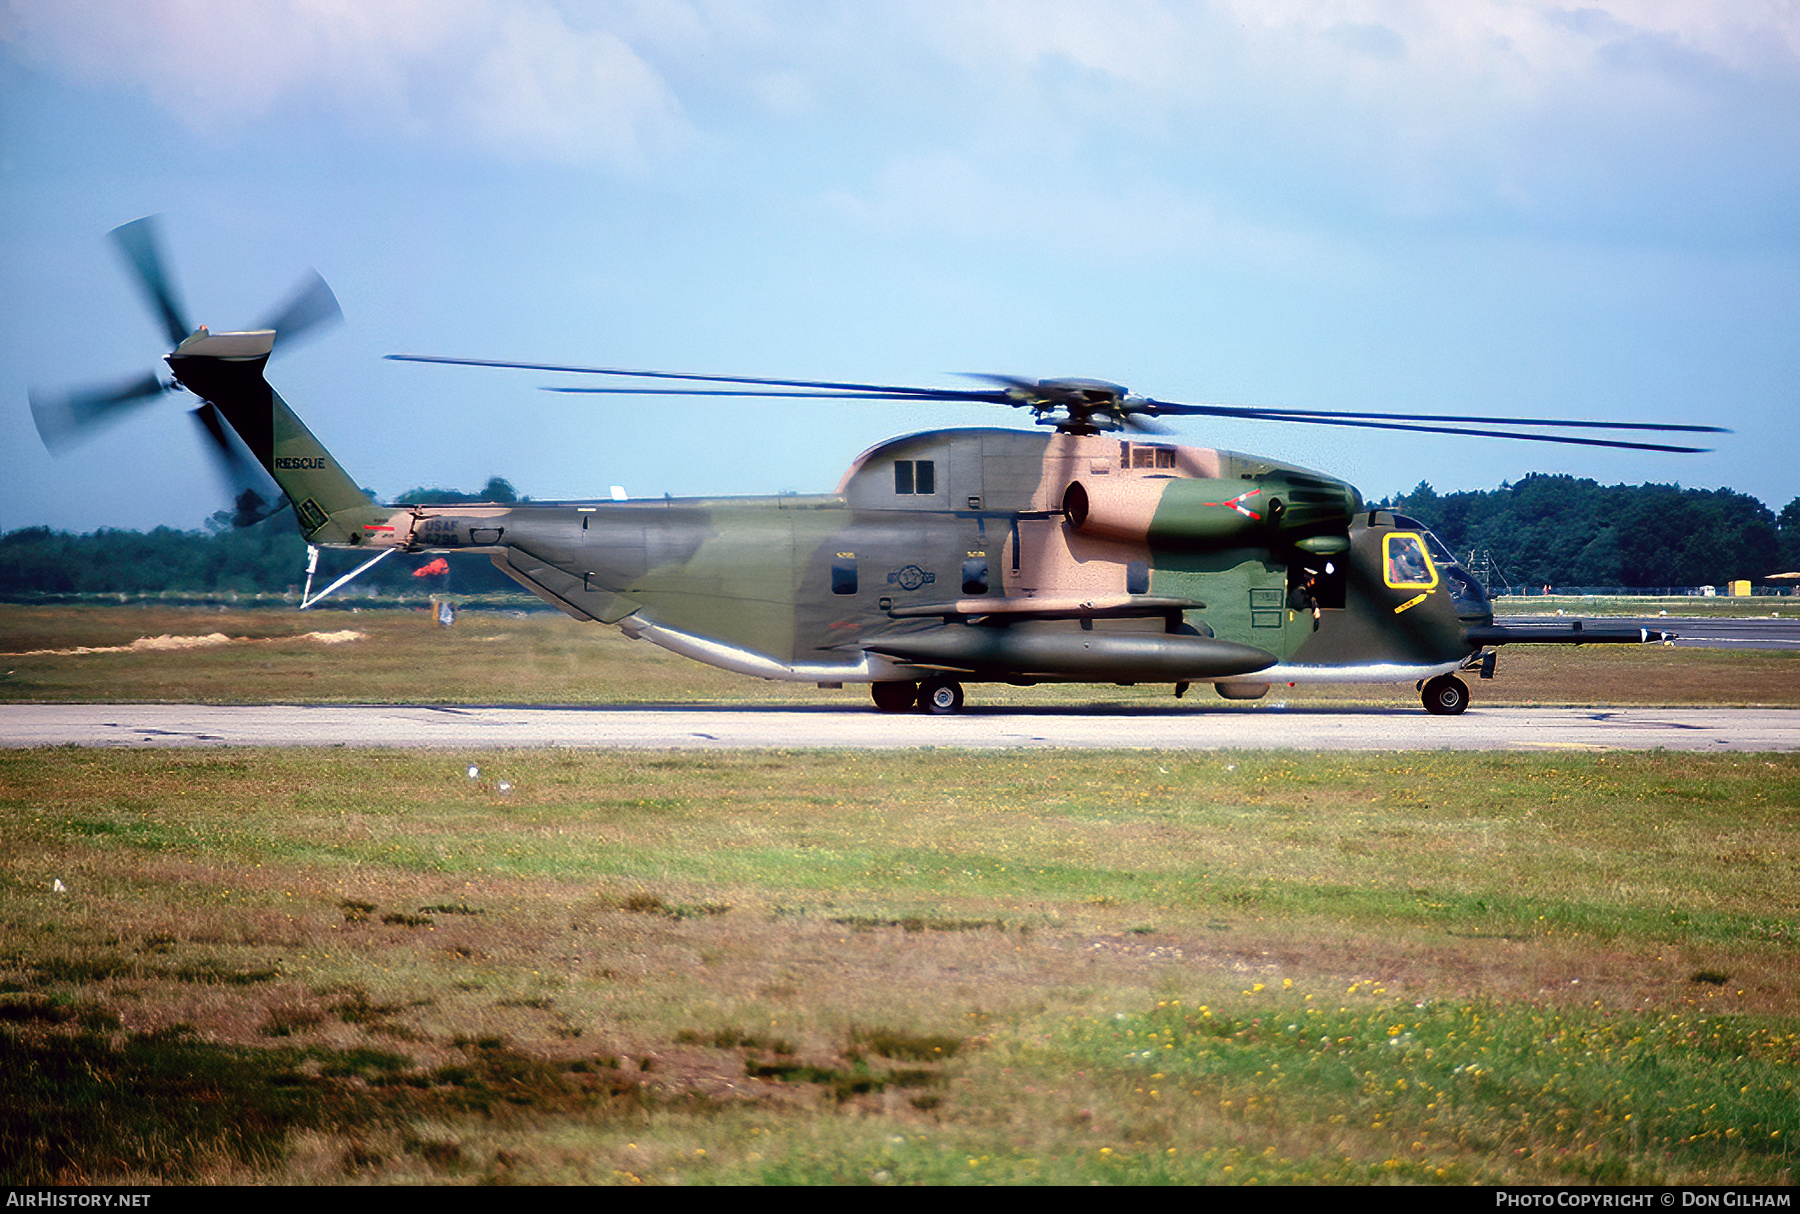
[961, 551]
[976, 554]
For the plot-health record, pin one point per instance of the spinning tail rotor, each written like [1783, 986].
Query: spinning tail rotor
[67, 416]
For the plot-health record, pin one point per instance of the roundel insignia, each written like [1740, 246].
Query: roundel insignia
[911, 577]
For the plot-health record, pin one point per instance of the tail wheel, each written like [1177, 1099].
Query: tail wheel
[940, 697]
[894, 697]
[1445, 696]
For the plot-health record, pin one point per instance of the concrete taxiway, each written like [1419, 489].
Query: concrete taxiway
[1694, 632]
[1229, 727]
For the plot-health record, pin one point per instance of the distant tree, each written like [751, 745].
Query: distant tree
[1787, 545]
[432, 496]
[1561, 530]
[498, 489]
[1422, 504]
[1597, 564]
[35, 560]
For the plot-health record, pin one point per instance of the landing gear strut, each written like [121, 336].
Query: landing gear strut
[1445, 696]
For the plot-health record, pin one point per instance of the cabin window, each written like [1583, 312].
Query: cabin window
[1405, 564]
[1137, 577]
[915, 476]
[975, 574]
[1148, 455]
[843, 573]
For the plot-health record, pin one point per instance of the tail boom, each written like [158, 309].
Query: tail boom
[226, 369]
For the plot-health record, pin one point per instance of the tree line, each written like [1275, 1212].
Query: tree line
[266, 558]
[1565, 531]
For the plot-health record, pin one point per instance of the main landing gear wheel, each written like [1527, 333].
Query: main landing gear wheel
[1445, 696]
[940, 697]
[894, 697]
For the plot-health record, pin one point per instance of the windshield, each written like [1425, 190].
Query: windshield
[1440, 555]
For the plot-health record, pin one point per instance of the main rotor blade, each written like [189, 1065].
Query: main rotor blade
[880, 390]
[1141, 423]
[310, 306]
[1018, 382]
[756, 392]
[63, 417]
[1144, 425]
[137, 240]
[1311, 419]
[1134, 412]
[1325, 416]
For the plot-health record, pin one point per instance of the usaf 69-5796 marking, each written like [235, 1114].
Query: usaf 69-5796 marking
[1093, 552]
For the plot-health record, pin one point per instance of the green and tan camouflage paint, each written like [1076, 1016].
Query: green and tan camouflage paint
[1086, 542]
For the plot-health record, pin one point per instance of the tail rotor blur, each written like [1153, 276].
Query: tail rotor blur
[66, 416]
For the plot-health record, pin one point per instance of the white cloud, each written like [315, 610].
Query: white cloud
[517, 76]
[1418, 109]
[1169, 48]
[1285, 113]
[563, 91]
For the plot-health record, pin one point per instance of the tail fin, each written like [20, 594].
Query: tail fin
[227, 370]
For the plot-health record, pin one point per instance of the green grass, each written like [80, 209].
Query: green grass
[1763, 606]
[934, 967]
[1459, 1089]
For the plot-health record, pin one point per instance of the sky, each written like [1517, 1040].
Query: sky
[1494, 206]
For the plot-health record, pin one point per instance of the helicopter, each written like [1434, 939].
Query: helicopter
[1089, 550]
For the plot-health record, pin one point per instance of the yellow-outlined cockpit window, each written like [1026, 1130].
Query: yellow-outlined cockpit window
[1405, 564]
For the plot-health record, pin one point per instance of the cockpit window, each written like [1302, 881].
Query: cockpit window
[1405, 563]
[1433, 545]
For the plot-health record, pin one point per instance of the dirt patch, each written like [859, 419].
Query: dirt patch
[171, 644]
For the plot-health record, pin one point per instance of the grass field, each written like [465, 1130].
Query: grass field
[1714, 606]
[896, 968]
[398, 656]
[934, 967]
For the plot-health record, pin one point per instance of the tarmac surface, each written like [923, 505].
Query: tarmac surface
[1693, 632]
[1214, 727]
[1259, 725]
